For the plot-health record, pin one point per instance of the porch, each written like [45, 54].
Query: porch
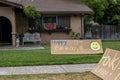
[52, 26]
[57, 20]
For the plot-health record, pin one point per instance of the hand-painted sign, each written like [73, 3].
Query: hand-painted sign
[109, 66]
[76, 47]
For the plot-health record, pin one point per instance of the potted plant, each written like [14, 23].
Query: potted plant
[75, 35]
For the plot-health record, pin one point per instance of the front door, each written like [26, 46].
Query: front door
[5, 30]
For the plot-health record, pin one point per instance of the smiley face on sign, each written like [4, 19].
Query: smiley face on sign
[95, 46]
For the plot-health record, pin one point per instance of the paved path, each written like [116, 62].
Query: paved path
[21, 48]
[46, 69]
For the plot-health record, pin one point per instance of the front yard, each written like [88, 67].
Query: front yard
[43, 57]
[66, 76]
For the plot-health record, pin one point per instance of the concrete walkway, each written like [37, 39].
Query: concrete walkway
[21, 47]
[46, 69]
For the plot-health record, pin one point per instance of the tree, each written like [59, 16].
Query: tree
[106, 11]
[33, 14]
[112, 14]
[98, 7]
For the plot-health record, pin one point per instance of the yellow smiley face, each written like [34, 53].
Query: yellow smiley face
[95, 46]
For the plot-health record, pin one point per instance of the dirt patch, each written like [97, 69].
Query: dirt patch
[66, 76]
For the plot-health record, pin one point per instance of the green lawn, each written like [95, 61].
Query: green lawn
[43, 57]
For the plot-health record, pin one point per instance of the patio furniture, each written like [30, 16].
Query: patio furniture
[31, 37]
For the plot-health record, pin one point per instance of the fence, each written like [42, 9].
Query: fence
[104, 32]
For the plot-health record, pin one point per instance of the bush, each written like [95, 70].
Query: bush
[32, 13]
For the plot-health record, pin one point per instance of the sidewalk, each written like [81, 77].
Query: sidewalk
[22, 47]
[46, 69]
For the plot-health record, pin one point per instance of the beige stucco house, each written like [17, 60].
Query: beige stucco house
[63, 16]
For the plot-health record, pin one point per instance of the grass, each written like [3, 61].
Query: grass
[66, 76]
[43, 57]
[111, 44]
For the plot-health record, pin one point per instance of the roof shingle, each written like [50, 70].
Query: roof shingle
[57, 6]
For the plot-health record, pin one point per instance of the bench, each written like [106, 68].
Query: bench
[31, 37]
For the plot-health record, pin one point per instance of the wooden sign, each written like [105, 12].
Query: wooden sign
[109, 66]
[76, 47]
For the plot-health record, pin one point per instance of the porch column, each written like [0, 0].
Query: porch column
[13, 30]
[82, 26]
[13, 39]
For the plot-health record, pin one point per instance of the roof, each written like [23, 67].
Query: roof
[13, 4]
[57, 6]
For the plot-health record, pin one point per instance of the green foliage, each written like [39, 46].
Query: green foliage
[98, 7]
[112, 14]
[106, 11]
[75, 35]
[116, 19]
[32, 13]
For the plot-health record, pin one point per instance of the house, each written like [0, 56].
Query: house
[60, 16]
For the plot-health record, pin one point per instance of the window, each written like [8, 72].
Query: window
[49, 22]
[63, 22]
[55, 22]
[49, 19]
